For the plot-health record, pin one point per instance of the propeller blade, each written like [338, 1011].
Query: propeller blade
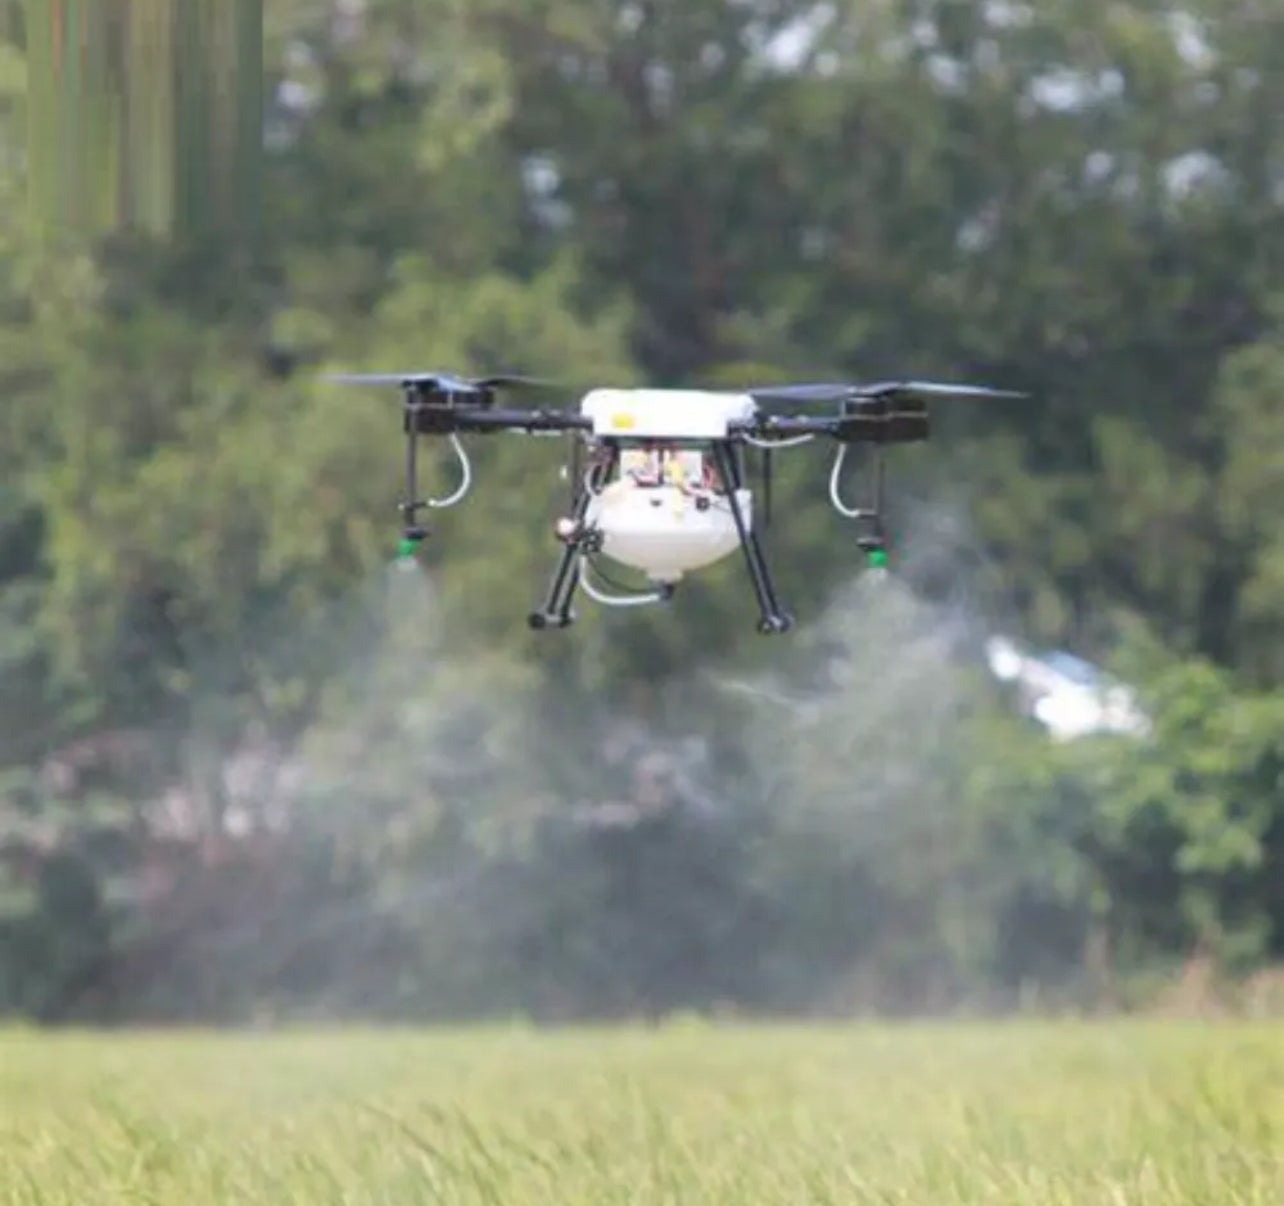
[366, 378]
[818, 392]
[941, 389]
[447, 381]
[509, 381]
[837, 391]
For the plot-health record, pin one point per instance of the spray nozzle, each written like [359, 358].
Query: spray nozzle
[411, 539]
[875, 551]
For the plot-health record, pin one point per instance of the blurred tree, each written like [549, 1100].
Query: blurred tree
[147, 115]
[195, 531]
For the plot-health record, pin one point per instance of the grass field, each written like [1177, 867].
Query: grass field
[1027, 1114]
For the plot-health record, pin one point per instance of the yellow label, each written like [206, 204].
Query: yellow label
[622, 421]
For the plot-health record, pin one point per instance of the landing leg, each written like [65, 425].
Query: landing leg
[556, 612]
[773, 618]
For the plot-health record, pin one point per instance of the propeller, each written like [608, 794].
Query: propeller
[445, 381]
[839, 391]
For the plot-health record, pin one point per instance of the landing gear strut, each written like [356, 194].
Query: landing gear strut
[556, 612]
[774, 619]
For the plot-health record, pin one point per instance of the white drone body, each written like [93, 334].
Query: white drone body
[663, 488]
[666, 514]
[665, 414]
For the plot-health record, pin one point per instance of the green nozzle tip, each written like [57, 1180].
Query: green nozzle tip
[877, 558]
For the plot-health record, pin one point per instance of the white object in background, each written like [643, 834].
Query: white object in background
[1070, 697]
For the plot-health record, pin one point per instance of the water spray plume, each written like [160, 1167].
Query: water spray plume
[454, 813]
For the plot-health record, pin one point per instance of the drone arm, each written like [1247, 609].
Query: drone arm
[451, 420]
[860, 424]
[525, 420]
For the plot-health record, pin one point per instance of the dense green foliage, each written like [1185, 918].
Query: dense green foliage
[715, 1116]
[249, 769]
[143, 113]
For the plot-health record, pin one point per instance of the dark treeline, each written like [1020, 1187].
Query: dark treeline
[249, 769]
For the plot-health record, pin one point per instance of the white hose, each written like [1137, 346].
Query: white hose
[791, 442]
[599, 596]
[839, 506]
[466, 474]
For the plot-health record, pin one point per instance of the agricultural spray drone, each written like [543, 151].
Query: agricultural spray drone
[659, 475]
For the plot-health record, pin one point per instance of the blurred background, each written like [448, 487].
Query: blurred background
[252, 771]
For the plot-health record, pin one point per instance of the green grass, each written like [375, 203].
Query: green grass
[1080, 1115]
